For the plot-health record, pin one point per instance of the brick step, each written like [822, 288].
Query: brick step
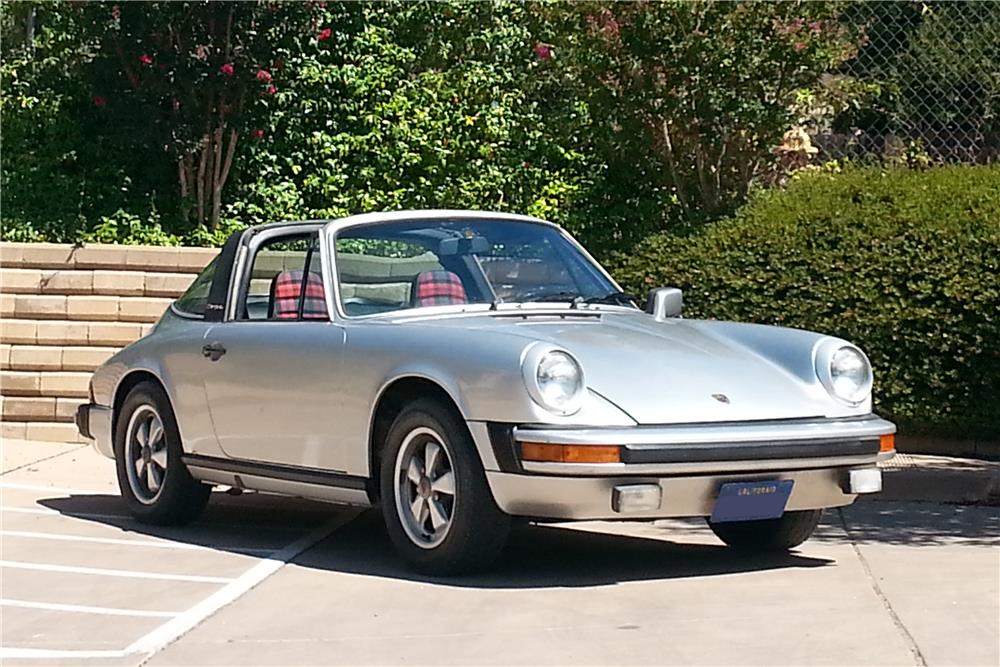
[89, 281]
[70, 332]
[42, 431]
[86, 308]
[100, 256]
[52, 358]
[57, 384]
[39, 408]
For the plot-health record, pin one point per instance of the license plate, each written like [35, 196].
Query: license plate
[751, 501]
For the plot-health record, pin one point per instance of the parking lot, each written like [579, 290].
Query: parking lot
[264, 580]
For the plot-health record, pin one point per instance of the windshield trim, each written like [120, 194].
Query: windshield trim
[333, 229]
[507, 308]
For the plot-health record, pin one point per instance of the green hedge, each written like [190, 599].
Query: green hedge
[904, 263]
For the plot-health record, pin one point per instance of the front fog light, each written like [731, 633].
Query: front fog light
[864, 480]
[636, 498]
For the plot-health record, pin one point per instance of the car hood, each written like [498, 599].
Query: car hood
[678, 371]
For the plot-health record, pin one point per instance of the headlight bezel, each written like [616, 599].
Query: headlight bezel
[824, 358]
[531, 363]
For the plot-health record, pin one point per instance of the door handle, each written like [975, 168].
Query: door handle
[213, 351]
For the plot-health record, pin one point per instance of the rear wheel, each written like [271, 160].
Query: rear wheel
[781, 534]
[154, 482]
[436, 502]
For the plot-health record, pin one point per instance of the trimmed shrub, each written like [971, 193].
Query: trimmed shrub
[904, 263]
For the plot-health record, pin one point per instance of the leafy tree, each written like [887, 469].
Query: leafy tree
[696, 94]
[193, 78]
[412, 105]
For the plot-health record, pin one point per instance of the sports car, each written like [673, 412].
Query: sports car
[460, 370]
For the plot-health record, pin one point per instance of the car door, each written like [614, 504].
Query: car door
[272, 370]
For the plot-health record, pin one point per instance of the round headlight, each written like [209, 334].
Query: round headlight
[846, 372]
[554, 380]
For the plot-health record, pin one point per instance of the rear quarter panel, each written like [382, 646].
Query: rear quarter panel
[172, 354]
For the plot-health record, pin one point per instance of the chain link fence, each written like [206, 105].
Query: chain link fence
[924, 85]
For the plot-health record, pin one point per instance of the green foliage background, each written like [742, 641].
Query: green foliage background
[491, 105]
[904, 263]
[641, 127]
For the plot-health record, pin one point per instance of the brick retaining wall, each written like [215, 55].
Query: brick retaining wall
[65, 309]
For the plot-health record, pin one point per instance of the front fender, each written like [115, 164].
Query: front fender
[791, 350]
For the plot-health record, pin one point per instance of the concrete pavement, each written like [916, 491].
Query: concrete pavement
[882, 582]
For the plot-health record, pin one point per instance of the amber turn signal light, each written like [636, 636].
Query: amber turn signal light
[535, 451]
[887, 443]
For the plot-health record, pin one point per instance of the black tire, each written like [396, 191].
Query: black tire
[478, 528]
[180, 498]
[781, 534]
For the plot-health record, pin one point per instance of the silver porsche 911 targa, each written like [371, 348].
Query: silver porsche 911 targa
[459, 369]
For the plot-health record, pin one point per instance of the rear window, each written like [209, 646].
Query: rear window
[195, 299]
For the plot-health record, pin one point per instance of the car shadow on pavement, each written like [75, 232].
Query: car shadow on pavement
[539, 555]
[916, 524]
[547, 556]
[252, 520]
[536, 556]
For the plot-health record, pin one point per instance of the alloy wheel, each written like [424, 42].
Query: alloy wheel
[146, 454]
[425, 487]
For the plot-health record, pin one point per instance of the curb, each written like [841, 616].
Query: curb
[940, 479]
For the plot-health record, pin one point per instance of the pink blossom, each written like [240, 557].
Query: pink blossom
[789, 28]
[100, 101]
[543, 51]
[799, 46]
[258, 133]
[116, 12]
[146, 59]
[263, 75]
[271, 90]
[816, 27]
[324, 34]
[227, 69]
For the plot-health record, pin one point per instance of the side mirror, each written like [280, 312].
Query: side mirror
[664, 302]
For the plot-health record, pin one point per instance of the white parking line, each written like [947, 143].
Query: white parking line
[8, 653]
[17, 486]
[270, 526]
[133, 574]
[73, 515]
[179, 626]
[156, 544]
[83, 609]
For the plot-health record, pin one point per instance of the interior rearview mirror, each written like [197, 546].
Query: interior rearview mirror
[664, 302]
[476, 245]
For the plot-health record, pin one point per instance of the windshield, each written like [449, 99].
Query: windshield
[420, 263]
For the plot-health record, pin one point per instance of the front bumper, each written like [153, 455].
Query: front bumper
[94, 423]
[829, 462]
[590, 498]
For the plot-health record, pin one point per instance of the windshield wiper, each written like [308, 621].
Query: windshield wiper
[614, 298]
[556, 297]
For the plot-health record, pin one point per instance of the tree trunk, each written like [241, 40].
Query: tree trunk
[216, 174]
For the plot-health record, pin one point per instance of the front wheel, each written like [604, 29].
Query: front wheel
[436, 502]
[786, 532]
[154, 482]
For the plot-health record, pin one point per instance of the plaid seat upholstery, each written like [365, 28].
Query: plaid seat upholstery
[438, 288]
[285, 290]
